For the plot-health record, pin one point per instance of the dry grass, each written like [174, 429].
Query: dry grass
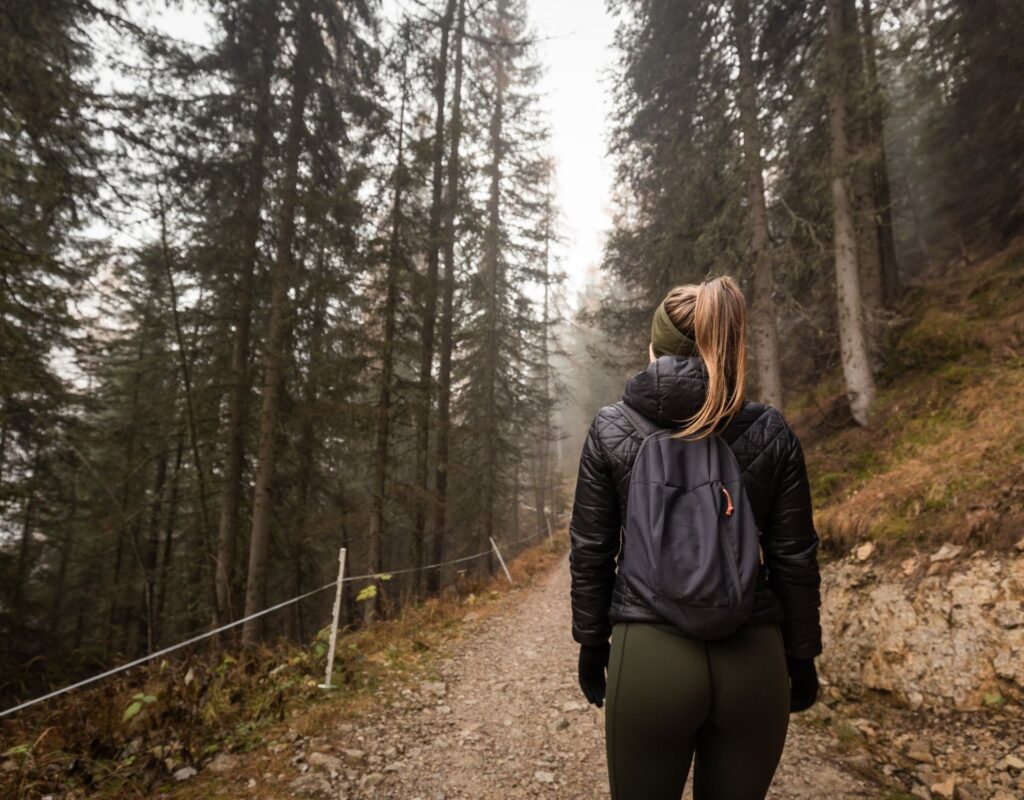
[194, 708]
[943, 459]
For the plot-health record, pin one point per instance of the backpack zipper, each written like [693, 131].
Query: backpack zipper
[730, 558]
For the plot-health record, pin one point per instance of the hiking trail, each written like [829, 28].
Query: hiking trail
[505, 719]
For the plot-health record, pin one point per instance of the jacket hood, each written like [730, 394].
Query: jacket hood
[669, 390]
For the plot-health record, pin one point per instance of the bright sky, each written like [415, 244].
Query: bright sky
[576, 50]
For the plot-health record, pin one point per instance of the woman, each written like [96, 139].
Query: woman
[723, 703]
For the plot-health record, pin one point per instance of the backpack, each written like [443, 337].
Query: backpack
[691, 546]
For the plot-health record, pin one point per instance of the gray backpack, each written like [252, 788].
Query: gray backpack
[691, 547]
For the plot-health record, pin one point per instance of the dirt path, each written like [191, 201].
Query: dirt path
[506, 720]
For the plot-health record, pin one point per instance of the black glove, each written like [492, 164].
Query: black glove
[803, 683]
[593, 662]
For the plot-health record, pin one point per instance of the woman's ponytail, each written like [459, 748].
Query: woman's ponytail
[716, 312]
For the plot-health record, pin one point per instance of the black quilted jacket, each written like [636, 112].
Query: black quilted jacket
[769, 453]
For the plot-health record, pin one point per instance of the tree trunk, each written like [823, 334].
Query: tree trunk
[18, 603]
[259, 540]
[541, 485]
[444, 378]
[126, 532]
[168, 543]
[203, 534]
[65, 557]
[234, 433]
[492, 267]
[307, 448]
[860, 386]
[147, 619]
[891, 285]
[430, 304]
[764, 331]
[383, 432]
[862, 180]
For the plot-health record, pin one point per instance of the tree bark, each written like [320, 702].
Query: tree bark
[307, 448]
[126, 532]
[430, 304]
[383, 429]
[861, 179]
[65, 558]
[273, 363]
[891, 284]
[492, 267]
[541, 484]
[763, 325]
[234, 433]
[168, 542]
[857, 372]
[203, 537]
[444, 378]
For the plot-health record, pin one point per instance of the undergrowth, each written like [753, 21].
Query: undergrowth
[129, 736]
[943, 456]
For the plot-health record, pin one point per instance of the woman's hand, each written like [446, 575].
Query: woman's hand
[593, 663]
[803, 681]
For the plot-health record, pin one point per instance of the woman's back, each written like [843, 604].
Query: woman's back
[671, 389]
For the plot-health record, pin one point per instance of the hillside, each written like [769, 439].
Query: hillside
[943, 458]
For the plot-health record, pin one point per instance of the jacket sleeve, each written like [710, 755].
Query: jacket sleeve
[594, 544]
[791, 554]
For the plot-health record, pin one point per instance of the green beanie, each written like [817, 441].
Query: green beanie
[666, 338]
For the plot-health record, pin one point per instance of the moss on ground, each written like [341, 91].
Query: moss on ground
[943, 458]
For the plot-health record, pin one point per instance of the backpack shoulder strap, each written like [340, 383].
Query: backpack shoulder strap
[640, 423]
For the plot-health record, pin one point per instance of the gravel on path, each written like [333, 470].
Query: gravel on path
[506, 719]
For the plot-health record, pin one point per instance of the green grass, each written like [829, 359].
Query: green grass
[944, 434]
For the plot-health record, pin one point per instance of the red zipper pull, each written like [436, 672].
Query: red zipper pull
[728, 500]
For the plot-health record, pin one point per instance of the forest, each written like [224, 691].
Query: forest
[292, 283]
[267, 292]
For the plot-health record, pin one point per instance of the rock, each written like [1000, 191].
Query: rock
[946, 553]
[311, 784]
[908, 566]
[223, 762]
[184, 774]
[543, 777]
[1020, 546]
[1013, 762]
[436, 688]
[937, 643]
[1009, 615]
[562, 724]
[920, 751]
[10, 765]
[371, 780]
[865, 551]
[946, 788]
[573, 705]
[325, 760]
[355, 755]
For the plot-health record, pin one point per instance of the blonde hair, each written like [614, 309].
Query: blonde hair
[714, 315]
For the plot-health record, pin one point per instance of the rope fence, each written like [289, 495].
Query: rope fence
[263, 612]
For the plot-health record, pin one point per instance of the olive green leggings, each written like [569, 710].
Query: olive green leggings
[670, 697]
